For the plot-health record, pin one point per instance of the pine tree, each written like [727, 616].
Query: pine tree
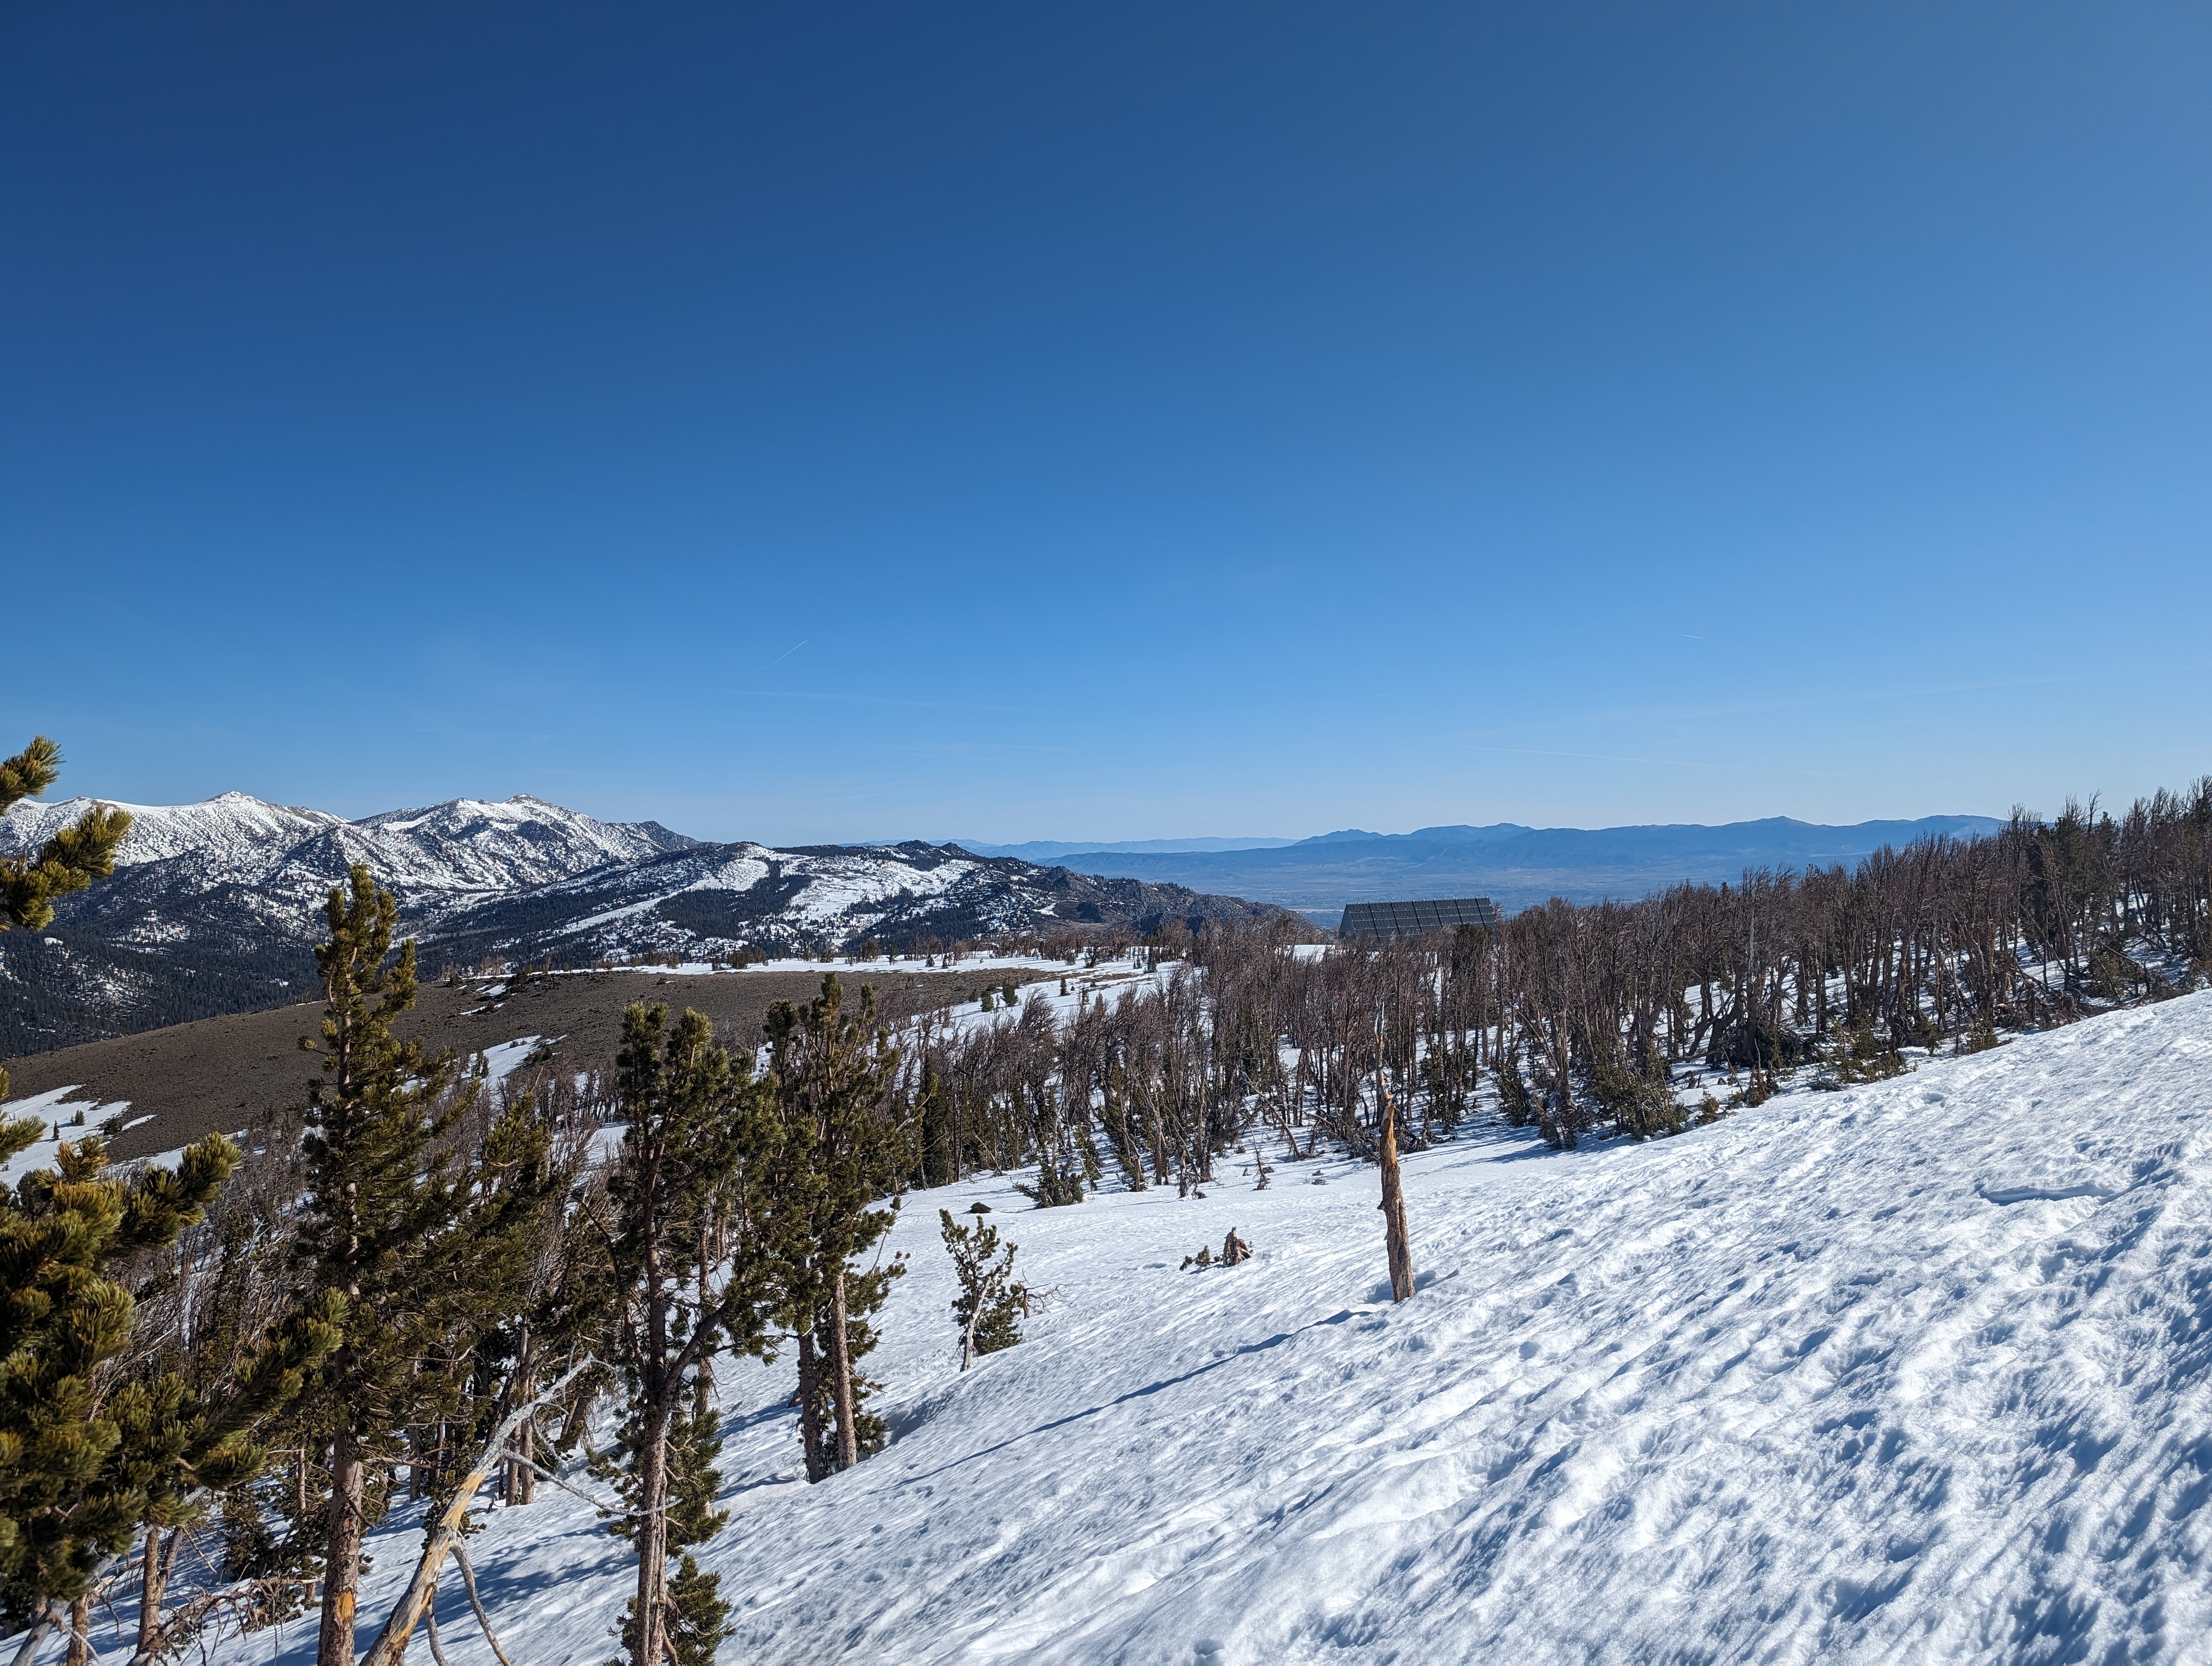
[386, 1226]
[841, 1152]
[695, 1617]
[80, 1471]
[189, 1432]
[933, 1114]
[99, 1434]
[688, 1269]
[992, 1303]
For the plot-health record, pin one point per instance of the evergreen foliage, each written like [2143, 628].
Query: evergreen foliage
[80, 1469]
[1860, 1056]
[688, 1270]
[1513, 1095]
[843, 1152]
[98, 1436]
[69, 861]
[411, 1236]
[696, 1618]
[932, 1112]
[1640, 1106]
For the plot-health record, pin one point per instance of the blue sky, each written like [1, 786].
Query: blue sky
[807, 422]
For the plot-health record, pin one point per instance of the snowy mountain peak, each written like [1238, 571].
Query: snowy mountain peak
[234, 827]
[466, 845]
[471, 844]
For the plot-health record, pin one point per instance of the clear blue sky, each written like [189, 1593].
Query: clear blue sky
[805, 423]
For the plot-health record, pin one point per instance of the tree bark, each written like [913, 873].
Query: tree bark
[475, 1604]
[520, 1485]
[341, 1554]
[430, 1629]
[841, 1376]
[1395, 1242]
[810, 1405]
[80, 1633]
[651, 1534]
[27, 1650]
[522, 1478]
[153, 1578]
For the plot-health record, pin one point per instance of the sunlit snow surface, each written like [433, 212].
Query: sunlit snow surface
[1916, 1371]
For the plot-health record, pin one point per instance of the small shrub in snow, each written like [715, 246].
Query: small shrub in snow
[1858, 1055]
[992, 1302]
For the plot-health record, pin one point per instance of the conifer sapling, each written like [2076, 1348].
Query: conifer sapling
[992, 1302]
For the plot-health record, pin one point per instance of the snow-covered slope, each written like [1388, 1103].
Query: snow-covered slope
[1920, 1372]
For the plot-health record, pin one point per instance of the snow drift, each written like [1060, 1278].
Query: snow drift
[1913, 1371]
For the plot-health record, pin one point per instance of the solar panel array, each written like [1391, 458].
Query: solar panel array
[1410, 919]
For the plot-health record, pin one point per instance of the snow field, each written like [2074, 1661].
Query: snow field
[1916, 1371]
[49, 1108]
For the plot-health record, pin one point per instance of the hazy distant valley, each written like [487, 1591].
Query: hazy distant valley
[1513, 865]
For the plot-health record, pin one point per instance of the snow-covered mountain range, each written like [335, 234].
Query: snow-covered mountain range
[465, 847]
[215, 906]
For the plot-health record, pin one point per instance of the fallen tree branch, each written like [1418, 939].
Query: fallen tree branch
[444, 1533]
[185, 1620]
[468, 1584]
[37, 1635]
[430, 1623]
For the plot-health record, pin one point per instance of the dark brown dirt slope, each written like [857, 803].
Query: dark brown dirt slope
[218, 1073]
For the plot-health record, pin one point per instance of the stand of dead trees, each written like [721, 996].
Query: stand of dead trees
[1575, 1020]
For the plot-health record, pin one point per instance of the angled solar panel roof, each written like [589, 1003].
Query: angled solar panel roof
[1411, 919]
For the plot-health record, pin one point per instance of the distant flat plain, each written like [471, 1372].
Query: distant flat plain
[218, 1074]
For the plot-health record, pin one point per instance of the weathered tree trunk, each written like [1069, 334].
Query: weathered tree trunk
[809, 1407]
[1395, 1242]
[522, 1476]
[152, 1580]
[80, 1633]
[54, 1613]
[342, 1555]
[483, 1620]
[652, 1536]
[519, 1485]
[841, 1376]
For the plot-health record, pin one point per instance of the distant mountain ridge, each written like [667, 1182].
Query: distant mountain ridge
[1053, 850]
[214, 907]
[1516, 865]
